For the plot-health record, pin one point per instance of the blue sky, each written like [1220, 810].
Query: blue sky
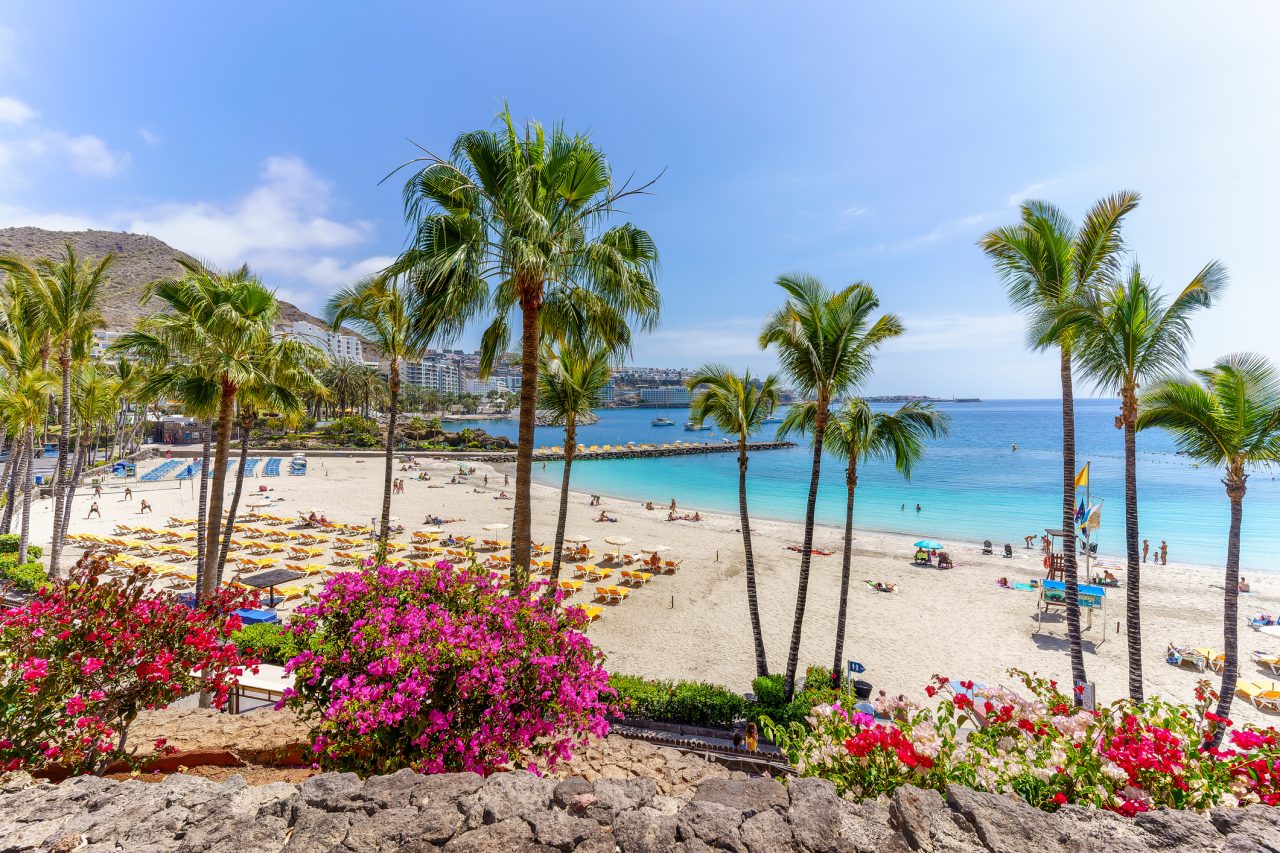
[854, 141]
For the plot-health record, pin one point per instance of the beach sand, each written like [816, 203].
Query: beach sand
[694, 625]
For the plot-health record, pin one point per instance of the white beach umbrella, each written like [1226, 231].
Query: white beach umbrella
[619, 541]
[653, 549]
[431, 529]
[578, 539]
[497, 525]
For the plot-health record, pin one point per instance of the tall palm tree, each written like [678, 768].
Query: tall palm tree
[1130, 335]
[826, 342]
[1227, 415]
[737, 405]
[213, 328]
[571, 382]
[281, 387]
[64, 295]
[855, 434]
[25, 388]
[510, 219]
[94, 401]
[343, 378]
[388, 312]
[1048, 264]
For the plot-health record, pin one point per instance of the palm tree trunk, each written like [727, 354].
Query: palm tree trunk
[60, 466]
[246, 422]
[1230, 603]
[76, 474]
[570, 436]
[384, 528]
[1133, 565]
[14, 470]
[218, 486]
[202, 513]
[851, 484]
[9, 447]
[1068, 523]
[522, 524]
[24, 528]
[806, 555]
[744, 520]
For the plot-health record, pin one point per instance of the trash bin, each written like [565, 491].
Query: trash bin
[862, 689]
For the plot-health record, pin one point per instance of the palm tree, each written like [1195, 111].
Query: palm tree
[281, 387]
[25, 388]
[1048, 264]
[64, 296]
[571, 382]
[95, 398]
[343, 377]
[738, 405]
[857, 434]
[510, 220]
[826, 343]
[213, 334]
[1129, 335]
[387, 312]
[1227, 415]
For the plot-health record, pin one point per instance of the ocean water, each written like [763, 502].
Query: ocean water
[971, 485]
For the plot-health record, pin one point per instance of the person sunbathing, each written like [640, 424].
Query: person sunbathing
[1003, 583]
[604, 516]
[1108, 577]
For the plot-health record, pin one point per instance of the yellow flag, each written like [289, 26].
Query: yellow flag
[1082, 479]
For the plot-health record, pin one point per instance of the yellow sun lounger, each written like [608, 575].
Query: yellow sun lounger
[593, 611]
[570, 587]
[1263, 695]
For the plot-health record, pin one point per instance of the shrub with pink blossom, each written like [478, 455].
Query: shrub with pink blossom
[83, 658]
[1126, 758]
[443, 669]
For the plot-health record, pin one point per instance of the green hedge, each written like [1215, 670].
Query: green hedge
[9, 545]
[27, 577]
[689, 702]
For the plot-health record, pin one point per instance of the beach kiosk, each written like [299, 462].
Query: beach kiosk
[1053, 590]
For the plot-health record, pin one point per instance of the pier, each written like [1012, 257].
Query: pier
[616, 451]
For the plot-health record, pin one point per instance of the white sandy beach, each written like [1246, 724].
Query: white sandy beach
[693, 624]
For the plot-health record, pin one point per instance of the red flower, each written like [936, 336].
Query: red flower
[1060, 798]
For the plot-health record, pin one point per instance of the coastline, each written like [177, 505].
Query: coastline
[693, 624]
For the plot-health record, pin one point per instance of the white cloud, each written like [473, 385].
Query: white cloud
[959, 332]
[13, 111]
[148, 137]
[29, 143]
[946, 229]
[281, 227]
[854, 211]
[1031, 191]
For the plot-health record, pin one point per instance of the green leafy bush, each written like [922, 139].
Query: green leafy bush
[770, 690]
[269, 642]
[27, 577]
[353, 430]
[689, 702]
[9, 545]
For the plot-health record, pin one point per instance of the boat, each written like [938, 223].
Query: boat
[690, 426]
[771, 420]
[662, 422]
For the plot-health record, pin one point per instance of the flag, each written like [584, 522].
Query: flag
[1080, 513]
[1082, 479]
[1094, 520]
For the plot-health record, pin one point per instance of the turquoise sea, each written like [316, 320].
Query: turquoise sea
[971, 484]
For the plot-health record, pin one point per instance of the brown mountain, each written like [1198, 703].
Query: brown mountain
[139, 259]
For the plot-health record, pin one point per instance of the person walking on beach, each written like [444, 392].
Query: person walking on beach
[128, 493]
[97, 490]
[1164, 552]
[506, 479]
[93, 510]
[1146, 546]
[673, 504]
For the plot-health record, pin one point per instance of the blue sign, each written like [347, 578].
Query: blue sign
[856, 668]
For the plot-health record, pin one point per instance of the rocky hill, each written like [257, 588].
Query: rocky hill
[140, 259]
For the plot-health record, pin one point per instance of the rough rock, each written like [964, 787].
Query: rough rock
[518, 812]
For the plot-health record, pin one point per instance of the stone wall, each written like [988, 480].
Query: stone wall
[520, 812]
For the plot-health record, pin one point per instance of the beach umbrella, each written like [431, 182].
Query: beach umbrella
[653, 549]
[431, 529]
[497, 525]
[619, 541]
[577, 539]
[930, 545]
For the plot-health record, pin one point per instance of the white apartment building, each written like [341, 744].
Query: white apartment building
[676, 396]
[101, 340]
[339, 346]
[436, 371]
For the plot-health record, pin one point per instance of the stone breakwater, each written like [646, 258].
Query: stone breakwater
[646, 452]
[520, 812]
